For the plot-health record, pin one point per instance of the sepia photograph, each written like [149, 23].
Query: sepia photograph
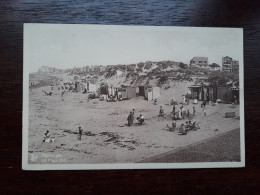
[132, 97]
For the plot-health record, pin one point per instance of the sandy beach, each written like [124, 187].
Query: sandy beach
[106, 138]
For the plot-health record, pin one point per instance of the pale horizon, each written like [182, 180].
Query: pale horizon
[65, 46]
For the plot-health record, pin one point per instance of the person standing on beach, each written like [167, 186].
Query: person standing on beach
[204, 111]
[188, 113]
[130, 119]
[183, 99]
[194, 111]
[161, 111]
[133, 114]
[183, 112]
[80, 133]
[187, 99]
[180, 112]
[62, 93]
[173, 109]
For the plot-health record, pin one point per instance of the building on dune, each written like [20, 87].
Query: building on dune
[229, 64]
[46, 69]
[199, 62]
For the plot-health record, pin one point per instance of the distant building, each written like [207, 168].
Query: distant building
[110, 66]
[86, 69]
[101, 68]
[200, 62]
[46, 69]
[230, 65]
[91, 69]
[227, 64]
[214, 66]
[235, 66]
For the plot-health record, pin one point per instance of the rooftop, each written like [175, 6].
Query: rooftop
[200, 58]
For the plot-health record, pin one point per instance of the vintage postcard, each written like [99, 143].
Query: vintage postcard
[132, 97]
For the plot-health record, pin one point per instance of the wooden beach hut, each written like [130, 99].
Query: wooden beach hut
[80, 87]
[149, 92]
[203, 92]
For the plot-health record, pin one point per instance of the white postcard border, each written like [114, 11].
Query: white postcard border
[98, 166]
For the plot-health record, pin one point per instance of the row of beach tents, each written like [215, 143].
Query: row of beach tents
[124, 92]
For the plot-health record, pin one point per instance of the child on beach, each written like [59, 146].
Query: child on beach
[140, 119]
[183, 99]
[46, 136]
[62, 93]
[80, 133]
[161, 111]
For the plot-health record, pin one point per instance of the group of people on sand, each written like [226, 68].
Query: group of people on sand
[183, 129]
[180, 114]
[131, 118]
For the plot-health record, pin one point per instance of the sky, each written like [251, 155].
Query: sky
[74, 45]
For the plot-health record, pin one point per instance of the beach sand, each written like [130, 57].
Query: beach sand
[106, 138]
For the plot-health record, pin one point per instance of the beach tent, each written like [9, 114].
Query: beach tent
[126, 92]
[226, 94]
[80, 87]
[91, 87]
[111, 90]
[156, 92]
[131, 92]
[141, 91]
[122, 93]
[108, 89]
[203, 92]
[222, 93]
[104, 89]
[149, 92]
